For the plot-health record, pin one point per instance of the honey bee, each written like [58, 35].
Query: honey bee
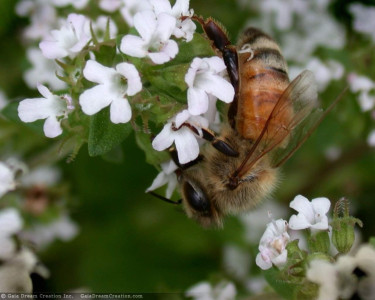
[268, 120]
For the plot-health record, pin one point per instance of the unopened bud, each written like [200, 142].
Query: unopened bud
[343, 235]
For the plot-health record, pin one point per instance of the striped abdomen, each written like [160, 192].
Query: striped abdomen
[263, 79]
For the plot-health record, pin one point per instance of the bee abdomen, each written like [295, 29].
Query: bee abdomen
[264, 77]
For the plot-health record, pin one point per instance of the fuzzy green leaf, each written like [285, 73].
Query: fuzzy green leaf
[285, 289]
[104, 135]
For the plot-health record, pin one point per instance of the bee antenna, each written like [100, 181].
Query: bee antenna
[166, 199]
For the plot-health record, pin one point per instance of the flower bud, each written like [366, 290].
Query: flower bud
[343, 227]
[319, 242]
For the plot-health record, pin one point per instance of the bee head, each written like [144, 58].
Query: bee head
[198, 205]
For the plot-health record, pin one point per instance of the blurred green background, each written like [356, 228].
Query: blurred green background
[132, 242]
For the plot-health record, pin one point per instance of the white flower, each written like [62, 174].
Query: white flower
[203, 79]
[154, 41]
[15, 272]
[41, 176]
[113, 87]
[236, 261]
[110, 5]
[364, 19]
[63, 229]
[204, 291]
[43, 71]
[324, 72]
[131, 7]
[100, 27]
[348, 276]
[166, 176]
[186, 142]
[7, 180]
[78, 4]
[69, 40]
[310, 214]
[364, 86]
[53, 108]
[10, 224]
[255, 221]
[272, 245]
[42, 16]
[184, 29]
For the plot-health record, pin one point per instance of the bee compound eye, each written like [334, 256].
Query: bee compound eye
[196, 197]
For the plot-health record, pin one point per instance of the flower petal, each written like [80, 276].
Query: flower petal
[181, 118]
[261, 263]
[30, 110]
[197, 101]
[145, 23]
[165, 26]
[217, 86]
[299, 222]
[134, 46]
[172, 178]
[216, 63]
[52, 50]
[95, 99]
[161, 6]
[132, 75]
[303, 206]
[168, 52]
[52, 127]
[187, 145]
[164, 139]
[120, 111]
[98, 73]
[321, 205]
[160, 180]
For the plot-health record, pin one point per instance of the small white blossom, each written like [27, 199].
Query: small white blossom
[184, 28]
[41, 176]
[272, 246]
[185, 140]
[53, 108]
[43, 71]
[100, 27]
[113, 87]
[41, 236]
[166, 176]
[15, 272]
[42, 16]
[10, 224]
[204, 78]
[7, 180]
[349, 275]
[311, 215]
[366, 87]
[364, 19]
[204, 291]
[78, 4]
[69, 40]
[254, 222]
[236, 261]
[154, 41]
[324, 72]
[128, 8]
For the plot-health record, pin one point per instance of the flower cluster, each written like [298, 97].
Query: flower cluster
[311, 215]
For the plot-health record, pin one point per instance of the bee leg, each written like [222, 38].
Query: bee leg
[217, 34]
[218, 144]
[165, 199]
[210, 136]
[173, 153]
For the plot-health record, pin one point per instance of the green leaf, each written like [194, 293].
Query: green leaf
[153, 157]
[106, 55]
[285, 289]
[104, 135]
[197, 47]
[171, 80]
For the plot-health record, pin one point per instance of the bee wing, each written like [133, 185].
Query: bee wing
[301, 95]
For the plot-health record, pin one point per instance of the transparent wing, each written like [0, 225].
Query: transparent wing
[296, 110]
